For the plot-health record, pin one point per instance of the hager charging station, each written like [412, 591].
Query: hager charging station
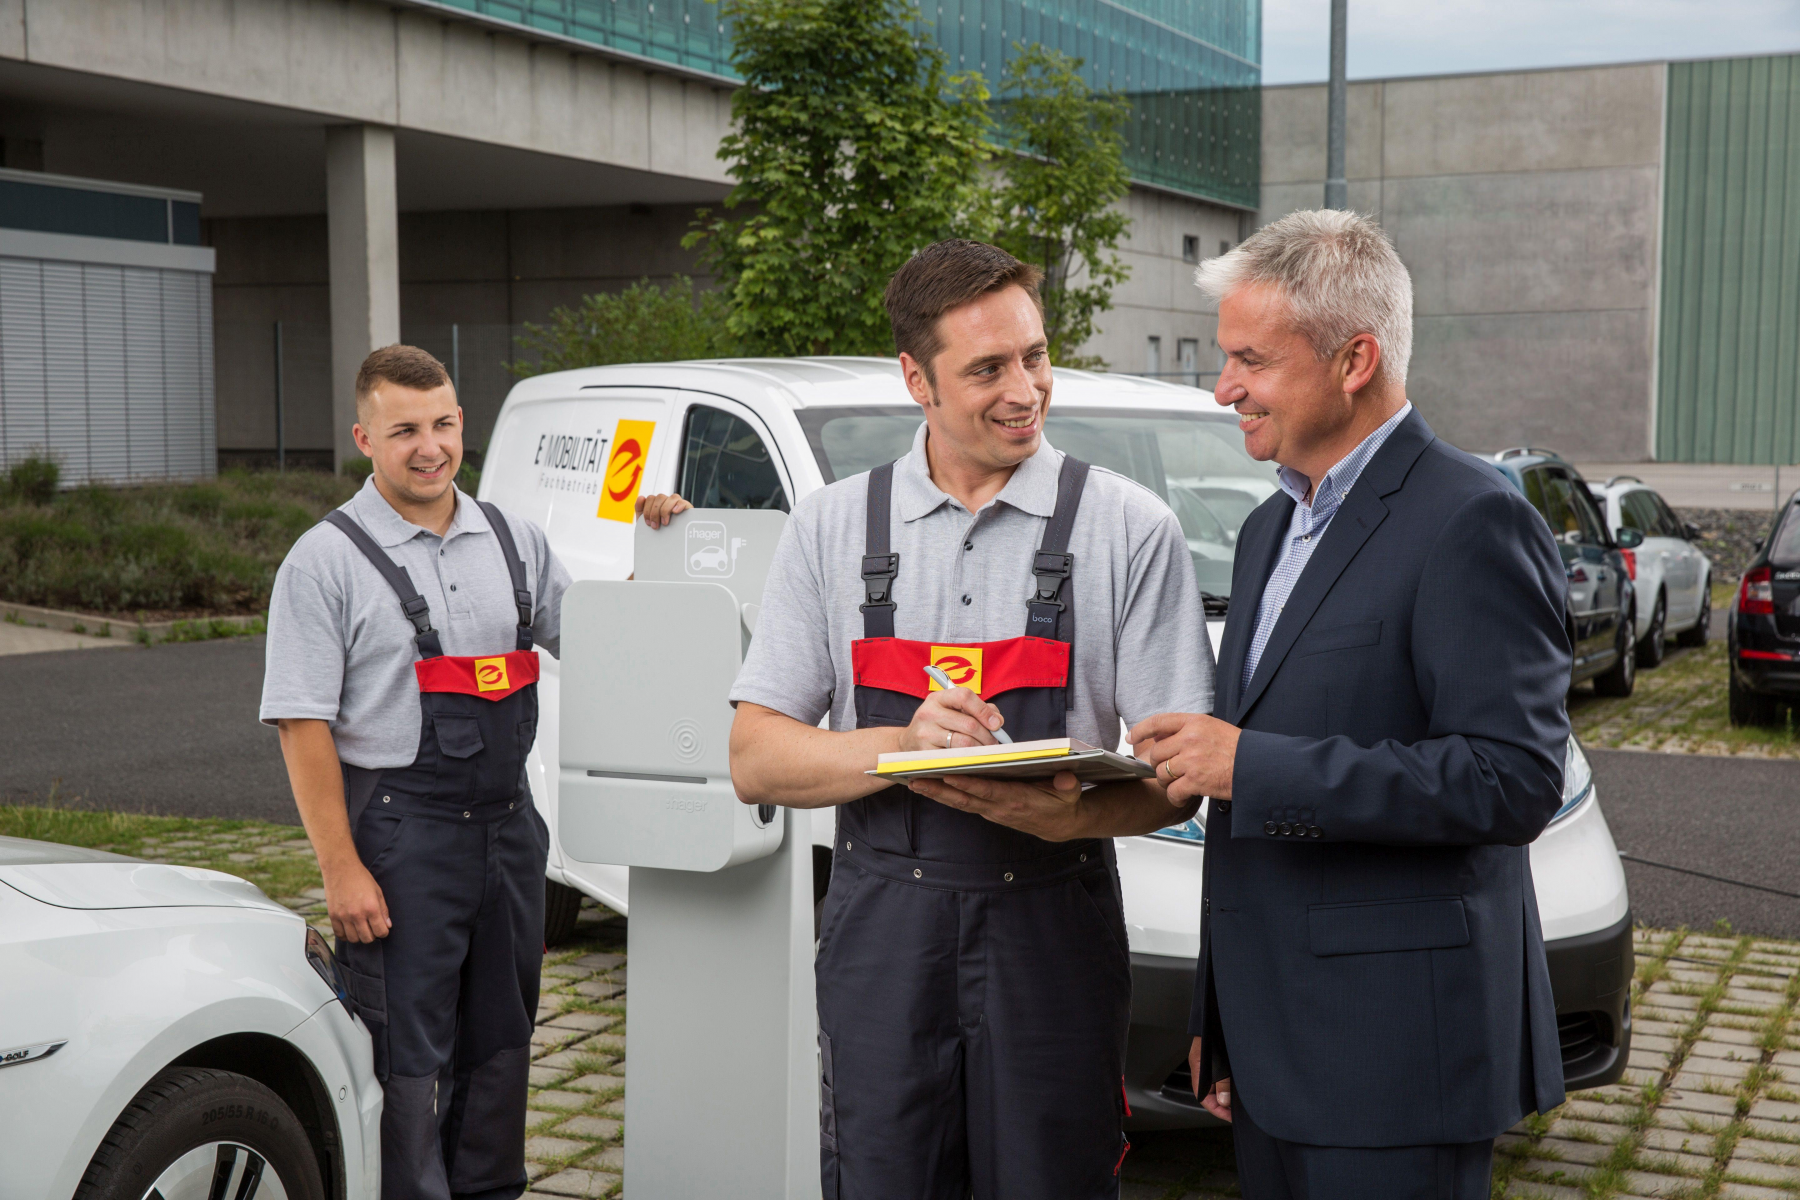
[721, 1091]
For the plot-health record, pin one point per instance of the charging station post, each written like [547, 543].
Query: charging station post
[721, 1084]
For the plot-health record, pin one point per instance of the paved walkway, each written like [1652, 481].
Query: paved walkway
[1703, 485]
[29, 639]
[1709, 1108]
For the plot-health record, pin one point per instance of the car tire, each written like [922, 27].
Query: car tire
[1694, 638]
[1748, 708]
[1650, 648]
[190, 1124]
[1622, 677]
[562, 908]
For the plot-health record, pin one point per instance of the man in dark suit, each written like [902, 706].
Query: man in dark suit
[1372, 1004]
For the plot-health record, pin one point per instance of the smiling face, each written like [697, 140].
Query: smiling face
[1293, 408]
[414, 440]
[990, 385]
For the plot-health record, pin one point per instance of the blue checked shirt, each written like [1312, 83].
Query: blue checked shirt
[1305, 529]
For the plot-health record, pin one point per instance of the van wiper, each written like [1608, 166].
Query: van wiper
[1215, 606]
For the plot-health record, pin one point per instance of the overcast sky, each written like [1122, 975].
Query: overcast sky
[1428, 37]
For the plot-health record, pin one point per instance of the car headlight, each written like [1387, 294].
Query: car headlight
[319, 955]
[1578, 780]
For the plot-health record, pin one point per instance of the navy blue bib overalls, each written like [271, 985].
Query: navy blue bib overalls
[974, 982]
[458, 848]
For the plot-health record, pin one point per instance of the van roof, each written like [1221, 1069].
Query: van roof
[830, 381]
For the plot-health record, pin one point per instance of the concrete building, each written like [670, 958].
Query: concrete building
[1606, 260]
[441, 171]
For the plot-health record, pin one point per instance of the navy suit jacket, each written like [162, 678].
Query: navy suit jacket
[1371, 966]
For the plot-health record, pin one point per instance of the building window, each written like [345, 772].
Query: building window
[1224, 246]
[1187, 353]
[1190, 248]
[1153, 357]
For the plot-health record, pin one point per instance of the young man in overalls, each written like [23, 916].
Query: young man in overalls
[401, 645]
[973, 977]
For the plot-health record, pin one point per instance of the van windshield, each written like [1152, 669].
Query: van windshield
[1194, 461]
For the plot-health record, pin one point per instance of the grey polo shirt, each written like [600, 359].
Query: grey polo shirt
[341, 651]
[1140, 634]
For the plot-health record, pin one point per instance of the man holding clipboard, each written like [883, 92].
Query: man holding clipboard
[974, 980]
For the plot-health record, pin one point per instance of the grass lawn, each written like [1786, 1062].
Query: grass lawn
[1679, 707]
[276, 858]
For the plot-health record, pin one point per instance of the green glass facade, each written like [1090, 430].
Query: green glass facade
[1191, 68]
[1728, 379]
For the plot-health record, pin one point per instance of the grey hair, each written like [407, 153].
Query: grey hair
[1341, 277]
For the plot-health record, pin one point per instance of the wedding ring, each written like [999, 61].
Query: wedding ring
[947, 738]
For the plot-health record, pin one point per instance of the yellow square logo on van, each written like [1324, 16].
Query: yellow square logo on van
[961, 663]
[625, 470]
[490, 675]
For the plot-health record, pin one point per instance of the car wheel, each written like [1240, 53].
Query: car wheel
[1748, 708]
[195, 1134]
[1623, 676]
[1693, 639]
[1650, 650]
[562, 908]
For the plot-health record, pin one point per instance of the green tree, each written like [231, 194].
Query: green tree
[1058, 187]
[646, 322]
[851, 148]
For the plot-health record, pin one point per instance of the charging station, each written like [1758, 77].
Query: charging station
[721, 1083]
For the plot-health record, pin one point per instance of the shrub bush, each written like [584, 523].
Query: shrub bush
[210, 548]
[33, 480]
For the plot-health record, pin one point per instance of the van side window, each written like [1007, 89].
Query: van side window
[724, 464]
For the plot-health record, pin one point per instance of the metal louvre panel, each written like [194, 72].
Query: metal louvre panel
[22, 358]
[65, 369]
[209, 433]
[109, 452]
[181, 374]
[146, 427]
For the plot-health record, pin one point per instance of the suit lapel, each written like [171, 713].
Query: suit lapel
[1259, 545]
[1362, 512]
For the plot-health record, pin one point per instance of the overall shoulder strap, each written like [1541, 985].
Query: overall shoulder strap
[411, 603]
[1049, 612]
[509, 550]
[879, 565]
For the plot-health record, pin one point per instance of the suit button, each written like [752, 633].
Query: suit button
[1286, 829]
[1223, 807]
[1269, 827]
[1315, 831]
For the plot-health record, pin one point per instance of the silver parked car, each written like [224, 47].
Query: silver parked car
[1674, 579]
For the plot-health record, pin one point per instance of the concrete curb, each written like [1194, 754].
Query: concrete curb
[127, 628]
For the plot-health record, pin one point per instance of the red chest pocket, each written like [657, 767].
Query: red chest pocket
[986, 668]
[494, 677]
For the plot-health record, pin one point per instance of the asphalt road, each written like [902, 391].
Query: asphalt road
[173, 729]
[1738, 818]
[164, 729]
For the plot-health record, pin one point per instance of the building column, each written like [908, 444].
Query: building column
[364, 239]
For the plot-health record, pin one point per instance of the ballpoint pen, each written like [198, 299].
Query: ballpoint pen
[943, 681]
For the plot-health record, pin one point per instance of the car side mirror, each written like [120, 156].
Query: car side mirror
[1691, 531]
[1629, 539]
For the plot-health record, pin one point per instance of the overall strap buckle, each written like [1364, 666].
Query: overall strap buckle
[1052, 571]
[879, 572]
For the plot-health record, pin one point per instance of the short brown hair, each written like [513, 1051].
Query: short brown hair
[943, 276]
[402, 366]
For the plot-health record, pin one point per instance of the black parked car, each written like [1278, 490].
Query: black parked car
[1763, 634]
[1601, 600]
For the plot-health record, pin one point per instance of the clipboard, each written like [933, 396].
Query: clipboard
[1020, 760]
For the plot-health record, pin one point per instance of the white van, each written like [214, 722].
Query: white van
[571, 450]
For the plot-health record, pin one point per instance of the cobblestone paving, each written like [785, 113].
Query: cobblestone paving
[1710, 1104]
[1679, 708]
[1709, 1107]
